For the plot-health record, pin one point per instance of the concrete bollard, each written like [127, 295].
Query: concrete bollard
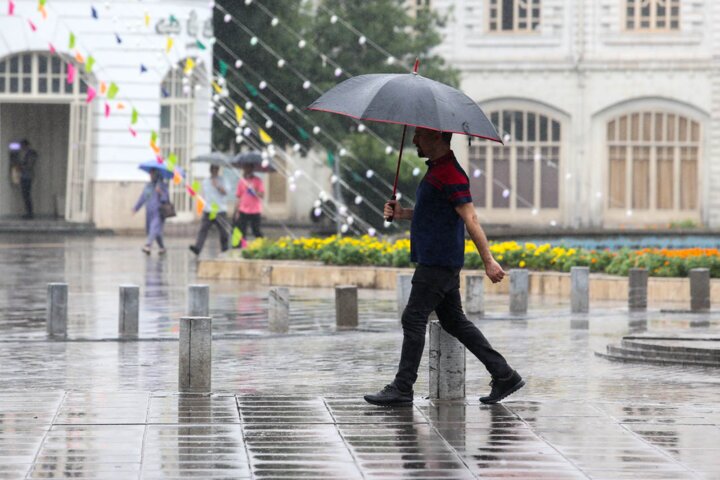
[279, 309]
[195, 362]
[402, 290]
[447, 365]
[637, 289]
[346, 306]
[128, 319]
[198, 301]
[56, 316]
[699, 290]
[519, 286]
[579, 289]
[474, 294]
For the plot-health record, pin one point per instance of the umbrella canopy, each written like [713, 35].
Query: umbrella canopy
[214, 158]
[253, 158]
[160, 167]
[407, 99]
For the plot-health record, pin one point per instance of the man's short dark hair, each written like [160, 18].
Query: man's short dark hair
[24, 142]
[447, 137]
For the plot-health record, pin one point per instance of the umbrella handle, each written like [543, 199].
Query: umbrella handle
[391, 217]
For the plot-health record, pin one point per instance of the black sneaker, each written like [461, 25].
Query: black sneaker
[502, 387]
[194, 249]
[390, 395]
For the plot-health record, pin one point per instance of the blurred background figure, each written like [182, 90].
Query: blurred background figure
[22, 171]
[153, 196]
[215, 192]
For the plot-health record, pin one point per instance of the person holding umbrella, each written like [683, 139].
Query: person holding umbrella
[250, 192]
[152, 197]
[443, 207]
[215, 190]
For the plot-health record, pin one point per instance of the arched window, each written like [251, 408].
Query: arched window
[177, 115]
[652, 15]
[40, 73]
[524, 173]
[653, 162]
[513, 15]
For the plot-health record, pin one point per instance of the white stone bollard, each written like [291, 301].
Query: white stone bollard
[195, 358]
[474, 294]
[346, 306]
[279, 309]
[579, 289]
[637, 289]
[447, 365]
[128, 319]
[519, 286]
[699, 289]
[402, 290]
[198, 301]
[56, 316]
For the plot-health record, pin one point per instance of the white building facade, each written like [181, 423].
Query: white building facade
[89, 151]
[610, 109]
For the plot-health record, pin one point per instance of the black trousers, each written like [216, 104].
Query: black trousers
[251, 219]
[438, 289]
[25, 187]
[220, 222]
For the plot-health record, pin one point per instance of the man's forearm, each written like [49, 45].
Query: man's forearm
[406, 214]
[480, 240]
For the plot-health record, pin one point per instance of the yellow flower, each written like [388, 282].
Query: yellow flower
[522, 263]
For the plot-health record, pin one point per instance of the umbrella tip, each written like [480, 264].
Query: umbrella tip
[417, 64]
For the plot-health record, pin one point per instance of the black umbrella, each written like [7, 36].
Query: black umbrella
[410, 100]
[214, 158]
[253, 158]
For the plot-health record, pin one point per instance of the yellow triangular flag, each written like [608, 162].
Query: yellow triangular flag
[265, 137]
[218, 88]
[239, 112]
[189, 65]
[147, 19]
[169, 45]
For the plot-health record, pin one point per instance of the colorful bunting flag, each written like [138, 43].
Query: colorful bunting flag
[143, 68]
[177, 178]
[189, 65]
[41, 3]
[112, 90]
[214, 209]
[32, 25]
[239, 112]
[303, 133]
[171, 161]
[190, 190]
[90, 94]
[107, 109]
[237, 236]
[273, 107]
[79, 58]
[89, 64]
[265, 137]
[199, 205]
[216, 87]
[51, 47]
[93, 12]
[330, 159]
[134, 116]
[153, 136]
[196, 185]
[132, 132]
[71, 43]
[70, 73]
[11, 8]
[120, 106]
[159, 158]
[118, 39]
[200, 44]
[169, 44]
[253, 91]
[155, 148]
[223, 68]
[147, 19]
[164, 92]
[43, 12]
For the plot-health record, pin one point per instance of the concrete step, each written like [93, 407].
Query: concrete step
[42, 225]
[704, 348]
[619, 354]
[670, 356]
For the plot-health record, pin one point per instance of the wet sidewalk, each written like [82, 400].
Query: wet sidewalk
[290, 406]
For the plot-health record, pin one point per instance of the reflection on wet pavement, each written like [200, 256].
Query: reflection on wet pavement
[290, 406]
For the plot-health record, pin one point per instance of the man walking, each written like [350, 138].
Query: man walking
[215, 190]
[437, 244]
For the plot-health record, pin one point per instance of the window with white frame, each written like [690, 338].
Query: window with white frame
[653, 162]
[513, 15]
[177, 112]
[652, 15]
[39, 73]
[523, 174]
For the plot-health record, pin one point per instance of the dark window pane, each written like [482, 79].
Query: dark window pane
[3, 66]
[55, 85]
[525, 181]
[531, 126]
[2, 84]
[495, 119]
[14, 85]
[507, 14]
[501, 177]
[165, 116]
[56, 65]
[42, 85]
[543, 128]
[549, 178]
[27, 85]
[478, 183]
[556, 131]
[14, 65]
[507, 123]
[42, 65]
[27, 64]
[518, 133]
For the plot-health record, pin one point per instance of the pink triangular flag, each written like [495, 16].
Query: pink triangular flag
[70, 73]
[159, 159]
[52, 48]
[90, 94]
[32, 26]
[133, 132]
[107, 109]
[11, 7]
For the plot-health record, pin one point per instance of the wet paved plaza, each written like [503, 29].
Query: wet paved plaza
[290, 406]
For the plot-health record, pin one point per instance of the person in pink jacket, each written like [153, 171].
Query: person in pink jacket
[250, 193]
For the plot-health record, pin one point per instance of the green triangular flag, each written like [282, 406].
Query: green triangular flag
[273, 107]
[236, 237]
[214, 209]
[223, 68]
[303, 134]
[134, 118]
[171, 161]
[72, 40]
[253, 91]
[89, 64]
[112, 91]
[153, 136]
[200, 44]
[330, 159]
[196, 186]
[356, 177]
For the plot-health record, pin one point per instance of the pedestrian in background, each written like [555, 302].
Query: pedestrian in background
[250, 192]
[215, 193]
[153, 196]
[25, 165]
